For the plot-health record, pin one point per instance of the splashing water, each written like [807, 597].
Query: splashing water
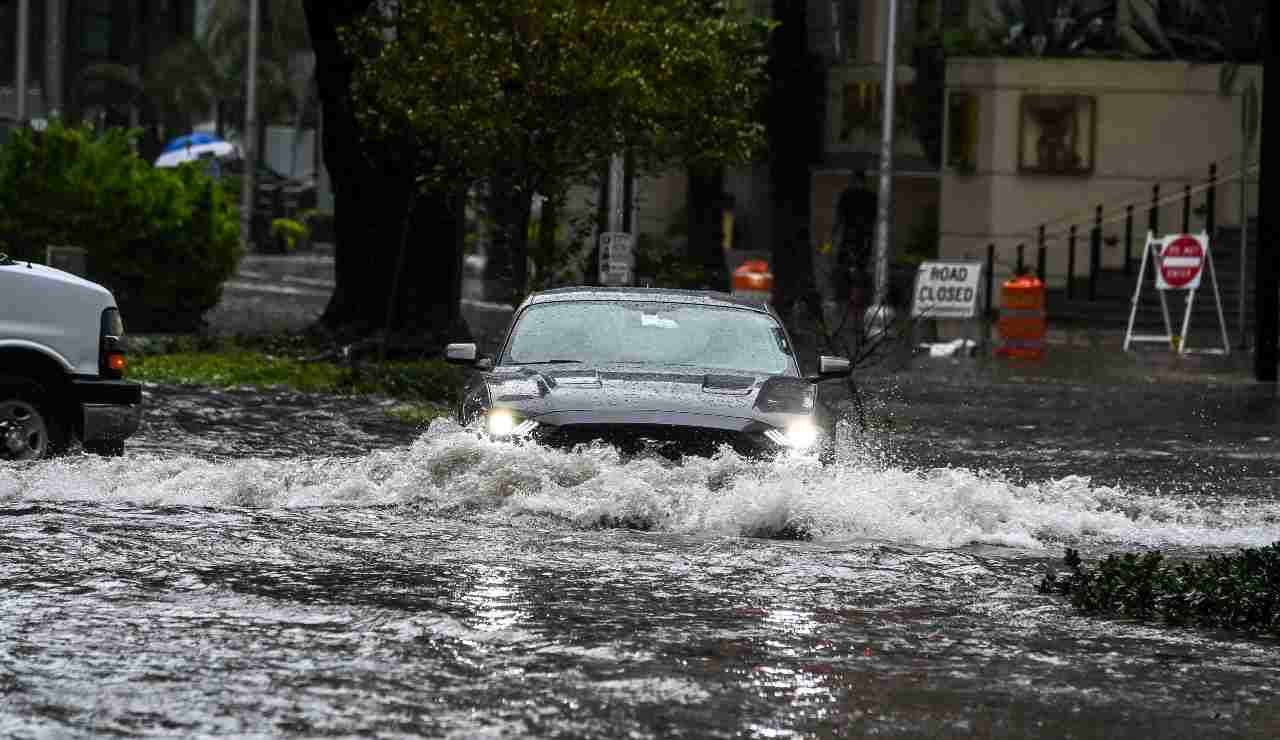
[450, 472]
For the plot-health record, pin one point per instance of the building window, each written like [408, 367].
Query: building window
[850, 12]
[1056, 135]
[833, 27]
[962, 131]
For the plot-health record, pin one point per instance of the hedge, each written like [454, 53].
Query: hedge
[163, 240]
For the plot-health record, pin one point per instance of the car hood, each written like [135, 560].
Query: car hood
[622, 391]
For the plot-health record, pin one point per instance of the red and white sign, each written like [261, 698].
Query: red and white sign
[1181, 261]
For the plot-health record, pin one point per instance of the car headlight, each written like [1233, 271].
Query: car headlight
[798, 436]
[502, 423]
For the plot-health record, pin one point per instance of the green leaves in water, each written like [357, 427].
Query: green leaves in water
[1236, 592]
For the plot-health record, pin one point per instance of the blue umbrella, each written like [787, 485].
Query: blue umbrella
[190, 140]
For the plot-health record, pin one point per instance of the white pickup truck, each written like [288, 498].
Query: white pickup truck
[62, 365]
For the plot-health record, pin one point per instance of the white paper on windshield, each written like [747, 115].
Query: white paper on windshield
[658, 321]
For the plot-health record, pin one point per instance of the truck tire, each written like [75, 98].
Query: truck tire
[28, 428]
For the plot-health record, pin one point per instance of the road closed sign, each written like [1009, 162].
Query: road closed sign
[946, 290]
[1180, 262]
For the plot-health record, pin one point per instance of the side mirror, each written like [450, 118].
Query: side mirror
[461, 353]
[834, 367]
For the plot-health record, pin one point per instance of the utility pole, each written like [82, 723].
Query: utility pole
[53, 40]
[248, 137]
[20, 67]
[1267, 252]
[884, 214]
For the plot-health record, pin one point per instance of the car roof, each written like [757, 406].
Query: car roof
[659, 295]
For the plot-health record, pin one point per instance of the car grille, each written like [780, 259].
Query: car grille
[672, 442]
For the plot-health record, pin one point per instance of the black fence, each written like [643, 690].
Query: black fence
[1077, 235]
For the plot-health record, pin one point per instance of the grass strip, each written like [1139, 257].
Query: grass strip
[428, 388]
[1234, 592]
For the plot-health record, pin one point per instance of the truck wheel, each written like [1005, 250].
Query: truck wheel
[27, 430]
[105, 449]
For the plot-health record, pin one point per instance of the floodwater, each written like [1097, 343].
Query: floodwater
[268, 564]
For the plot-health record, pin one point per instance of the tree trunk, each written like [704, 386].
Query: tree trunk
[706, 227]
[521, 211]
[506, 266]
[497, 265]
[544, 253]
[371, 185]
[602, 225]
[793, 110]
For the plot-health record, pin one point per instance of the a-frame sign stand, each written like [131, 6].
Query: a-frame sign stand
[1179, 262]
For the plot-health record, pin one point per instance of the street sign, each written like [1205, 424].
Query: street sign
[1181, 262]
[946, 290]
[617, 258]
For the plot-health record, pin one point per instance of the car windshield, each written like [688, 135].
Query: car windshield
[606, 332]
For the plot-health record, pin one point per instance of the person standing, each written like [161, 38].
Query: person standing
[852, 236]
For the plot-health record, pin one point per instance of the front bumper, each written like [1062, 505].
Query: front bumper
[107, 423]
[673, 435]
[673, 442]
[111, 409]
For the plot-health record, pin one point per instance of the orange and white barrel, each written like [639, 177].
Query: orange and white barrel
[753, 279]
[1022, 324]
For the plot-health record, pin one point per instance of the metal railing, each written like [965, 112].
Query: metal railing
[1072, 228]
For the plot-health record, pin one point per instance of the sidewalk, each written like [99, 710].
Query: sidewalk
[1085, 355]
[287, 293]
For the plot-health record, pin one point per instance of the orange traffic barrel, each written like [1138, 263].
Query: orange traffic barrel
[753, 280]
[1022, 323]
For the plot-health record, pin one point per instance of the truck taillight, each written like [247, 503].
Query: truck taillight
[112, 362]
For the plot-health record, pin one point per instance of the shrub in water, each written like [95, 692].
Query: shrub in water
[1237, 592]
[163, 240]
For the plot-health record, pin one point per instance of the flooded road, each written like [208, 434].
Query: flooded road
[266, 564]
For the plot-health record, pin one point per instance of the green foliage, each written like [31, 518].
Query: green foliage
[1193, 30]
[431, 382]
[422, 380]
[968, 42]
[163, 240]
[181, 82]
[1054, 28]
[236, 368]
[292, 232]
[1238, 592]
[550, 88]
[660, 264]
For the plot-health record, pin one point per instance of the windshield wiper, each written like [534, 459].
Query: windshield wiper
[551, 362]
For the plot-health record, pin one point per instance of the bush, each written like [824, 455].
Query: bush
[291, 232]
[660, 263]
[1239, 592]
[163, 240]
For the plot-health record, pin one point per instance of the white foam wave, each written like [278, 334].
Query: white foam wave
[449, 471]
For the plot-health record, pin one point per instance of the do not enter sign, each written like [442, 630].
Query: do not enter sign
[1181, 263]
